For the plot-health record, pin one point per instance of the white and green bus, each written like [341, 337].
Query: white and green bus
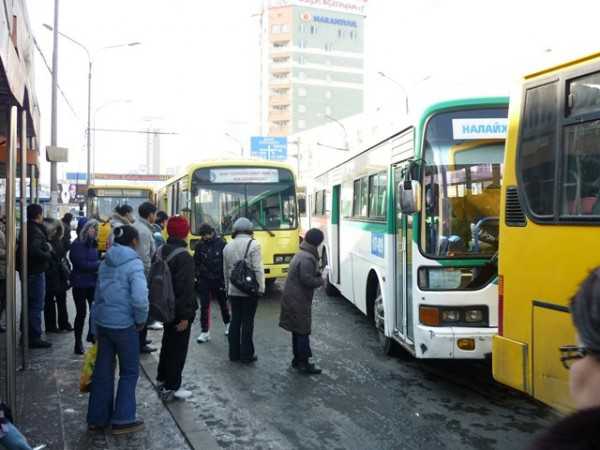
[411, 228]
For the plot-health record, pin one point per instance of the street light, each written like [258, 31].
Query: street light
[233, 138]
[333, 119]
[90, 64]
[401, 86]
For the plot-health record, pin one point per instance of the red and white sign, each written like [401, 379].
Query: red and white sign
[346, 6]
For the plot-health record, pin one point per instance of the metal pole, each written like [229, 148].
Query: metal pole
[53, 130]
[24, 274]
[89, 120]
[11, 281]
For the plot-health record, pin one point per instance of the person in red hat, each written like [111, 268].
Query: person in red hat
[176, 335]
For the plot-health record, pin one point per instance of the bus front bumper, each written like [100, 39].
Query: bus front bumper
[454, 342]
[276, 270]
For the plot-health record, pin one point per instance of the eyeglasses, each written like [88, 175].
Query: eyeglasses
[569, 354]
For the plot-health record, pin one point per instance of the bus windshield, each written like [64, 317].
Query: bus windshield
[104, 201]
[265, 196]
[463, 158]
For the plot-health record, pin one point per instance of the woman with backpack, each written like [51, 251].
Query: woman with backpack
[57, 280]
[85, 260]
[119, 311]
[176, 334]
[243, 247]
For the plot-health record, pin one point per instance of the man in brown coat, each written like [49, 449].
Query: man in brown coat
[296, 303]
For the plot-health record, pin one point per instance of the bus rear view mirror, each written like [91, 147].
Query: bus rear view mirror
[409, 199]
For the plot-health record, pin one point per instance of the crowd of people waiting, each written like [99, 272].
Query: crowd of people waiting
[117, 287]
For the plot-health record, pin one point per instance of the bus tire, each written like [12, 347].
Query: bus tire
[330, 289]
[269, 283]
[377, 315]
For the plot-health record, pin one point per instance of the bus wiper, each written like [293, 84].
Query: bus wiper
[264, 227]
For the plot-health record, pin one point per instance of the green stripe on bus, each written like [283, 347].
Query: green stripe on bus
[335, 205]
[463, 262]
[367, 226]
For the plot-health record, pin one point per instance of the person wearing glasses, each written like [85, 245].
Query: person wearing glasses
[580, 430]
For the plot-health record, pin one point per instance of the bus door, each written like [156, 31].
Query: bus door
[335, 233]
[403, 326]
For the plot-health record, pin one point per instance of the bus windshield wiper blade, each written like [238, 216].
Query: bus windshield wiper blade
[264, 227]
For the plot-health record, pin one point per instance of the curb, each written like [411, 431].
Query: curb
[196, 434]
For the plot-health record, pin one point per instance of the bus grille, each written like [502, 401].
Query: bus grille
[514, 213]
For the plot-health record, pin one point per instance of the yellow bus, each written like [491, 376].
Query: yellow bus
[549, 224]
[219, 192]
[103, 199]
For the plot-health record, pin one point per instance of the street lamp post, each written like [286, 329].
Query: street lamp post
[333, 119]
[401, 86]
[89, 108]
[233, 138]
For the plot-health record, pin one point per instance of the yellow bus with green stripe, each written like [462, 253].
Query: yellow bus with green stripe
[411, 228]
[219, 192]
[550, 224]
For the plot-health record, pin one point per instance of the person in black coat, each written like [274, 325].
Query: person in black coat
[38, 262]
[210, 281]
[580, 430]
[66, 238]
[57, 281]
[176, 335]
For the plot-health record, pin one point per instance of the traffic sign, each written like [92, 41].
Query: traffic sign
[269, 147]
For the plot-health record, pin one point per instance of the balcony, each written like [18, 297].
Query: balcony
[276, 100]
[279, 82]
[276, 131]
[279, 116]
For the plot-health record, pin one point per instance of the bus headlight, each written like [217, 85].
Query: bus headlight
[282, 259]
[473, 315]
[450, 315]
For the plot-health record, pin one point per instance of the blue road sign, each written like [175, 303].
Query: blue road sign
[269, 147]
[76, 176]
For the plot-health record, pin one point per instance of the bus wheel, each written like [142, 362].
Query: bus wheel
[386, 343]
[269, 283]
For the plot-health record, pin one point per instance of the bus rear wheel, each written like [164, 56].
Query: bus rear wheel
[386, 343]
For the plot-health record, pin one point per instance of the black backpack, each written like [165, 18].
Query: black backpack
[243, 277]
[160, 287]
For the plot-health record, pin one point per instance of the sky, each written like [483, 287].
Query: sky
[196, 70]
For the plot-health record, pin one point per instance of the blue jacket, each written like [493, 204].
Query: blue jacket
[85, 261]
[121, 293]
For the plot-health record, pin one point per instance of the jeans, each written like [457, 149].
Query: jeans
[13, 439]
[205, 293]
[82, 297]
[36, 293]
[241, 346]
[301, 347]
[54, 301]
[172, 356]
[123, 343]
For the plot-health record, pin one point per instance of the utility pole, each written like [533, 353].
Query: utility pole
[53, 126]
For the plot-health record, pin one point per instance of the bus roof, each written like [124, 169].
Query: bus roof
[229, 163]
[120, 186]
[561, 66]
[427, 112]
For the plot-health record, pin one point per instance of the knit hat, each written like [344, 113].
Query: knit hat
[314, 236]
[241, 225]
[585, 311]
[178, 227]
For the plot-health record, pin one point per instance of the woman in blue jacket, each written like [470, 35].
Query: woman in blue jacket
[120, 309]
[85, 261]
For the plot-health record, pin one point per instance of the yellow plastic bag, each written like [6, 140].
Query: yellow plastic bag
[89, 361]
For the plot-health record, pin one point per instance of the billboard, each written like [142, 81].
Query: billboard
[269, 147]
[345, 6]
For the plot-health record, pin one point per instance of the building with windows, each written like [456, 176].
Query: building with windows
[313, 64]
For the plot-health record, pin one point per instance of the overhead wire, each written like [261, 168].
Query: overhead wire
[62, 93]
